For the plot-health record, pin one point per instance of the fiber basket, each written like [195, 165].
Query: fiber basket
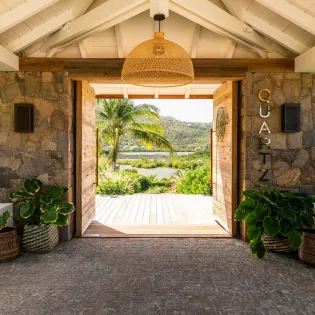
[273, 245]
[9, 244]
[40, 238]
[307, 249]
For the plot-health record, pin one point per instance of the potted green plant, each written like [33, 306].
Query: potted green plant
[43, 211]
[275, 219]
[9, 240]
[307, 248]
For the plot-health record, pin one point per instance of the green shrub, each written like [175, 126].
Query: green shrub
[128, 182]
[195, 181]
[113, 187]
[130, 171]
[194, 160]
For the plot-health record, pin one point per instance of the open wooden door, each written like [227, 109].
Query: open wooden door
[85, 156]
[224, 170]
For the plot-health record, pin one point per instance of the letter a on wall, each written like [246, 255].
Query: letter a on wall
[264, 127]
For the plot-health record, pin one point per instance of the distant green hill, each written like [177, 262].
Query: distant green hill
[184, 136]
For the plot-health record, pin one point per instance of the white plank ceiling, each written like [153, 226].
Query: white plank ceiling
[28, 37]
[112, 28]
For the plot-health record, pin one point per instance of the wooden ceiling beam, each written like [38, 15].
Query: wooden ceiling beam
[209, 12]
[265, 28]
[210, 70]
[94, 19]
[145, 96]
[125, 92]
[159, 7]
[291, 13]
[78, 7]
[230, 50]
[83, 51]
[195, 41]
[8, 60]
[22, 12]
[306, 62]
[120, 50]
[40, 32]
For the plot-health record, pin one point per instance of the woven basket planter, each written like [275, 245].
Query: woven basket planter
[273, 245]
[307, 249]
[10, 246]
[40, 238]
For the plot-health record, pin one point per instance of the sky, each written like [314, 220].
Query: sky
[181, 109]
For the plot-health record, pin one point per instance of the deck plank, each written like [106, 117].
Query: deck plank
[149, 215]
[171, 208]
[127, 213]
[153, 214]
[166, 213]
[134, 210]
[140, 212]
[107, 210]
[159, 210]
[147, 209]
[123, 209]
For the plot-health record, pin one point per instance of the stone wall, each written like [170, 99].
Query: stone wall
[48, 151]
[292, 155]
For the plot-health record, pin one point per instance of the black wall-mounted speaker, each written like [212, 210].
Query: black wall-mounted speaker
[291, 118]
[24, 118]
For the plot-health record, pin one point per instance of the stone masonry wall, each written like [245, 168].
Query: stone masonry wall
[292, 155]
[48, 151]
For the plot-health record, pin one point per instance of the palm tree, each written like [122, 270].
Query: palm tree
[118, 117]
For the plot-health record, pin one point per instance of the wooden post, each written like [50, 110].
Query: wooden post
[97, 152]
[211, 156]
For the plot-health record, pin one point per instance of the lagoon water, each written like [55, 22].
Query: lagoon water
[160, 172]
[153, 153]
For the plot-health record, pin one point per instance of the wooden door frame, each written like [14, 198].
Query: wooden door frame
[235, 142]
[78, 158]
[233, 229]
[85, 159]
[235, 149]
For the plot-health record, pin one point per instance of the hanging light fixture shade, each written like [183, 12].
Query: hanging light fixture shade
[158, 63]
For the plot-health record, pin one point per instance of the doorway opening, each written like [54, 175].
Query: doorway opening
[152, 193]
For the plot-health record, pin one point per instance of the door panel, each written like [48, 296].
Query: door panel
[85, 156]
[225, 157]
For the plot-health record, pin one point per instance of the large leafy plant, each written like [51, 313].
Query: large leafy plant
[42, 208]
[280, 215]
[4, 219]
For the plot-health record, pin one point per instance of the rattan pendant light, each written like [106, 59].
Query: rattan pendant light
[158, 63]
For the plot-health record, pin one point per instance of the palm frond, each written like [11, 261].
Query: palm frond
[150, 139]
[154, 128]
[143, 111]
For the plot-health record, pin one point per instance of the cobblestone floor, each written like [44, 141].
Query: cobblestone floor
[155, 276]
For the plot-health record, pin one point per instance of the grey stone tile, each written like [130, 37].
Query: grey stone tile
[156, 276]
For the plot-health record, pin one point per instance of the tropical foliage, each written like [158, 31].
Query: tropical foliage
[129, 182]
[119, 117]
[280, 215]
[192, 160]
[42, 208]
[150, 163]
[195, 181]
[4, 219]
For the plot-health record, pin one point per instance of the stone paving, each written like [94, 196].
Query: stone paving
[155, 276]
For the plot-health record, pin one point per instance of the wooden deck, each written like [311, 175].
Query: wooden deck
[162, 215]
